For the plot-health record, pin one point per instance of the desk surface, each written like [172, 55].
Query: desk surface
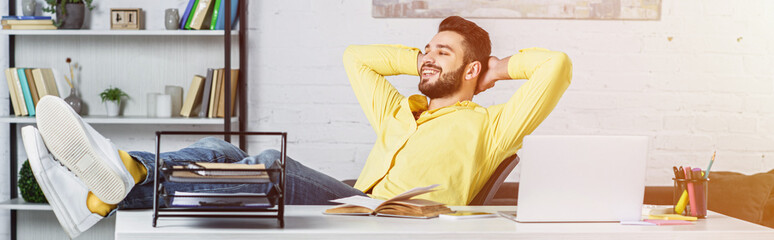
[303, 222]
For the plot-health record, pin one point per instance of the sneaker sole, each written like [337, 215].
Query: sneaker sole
[50, 193]
[69, 142]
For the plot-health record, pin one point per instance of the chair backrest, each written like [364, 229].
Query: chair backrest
[487, 193]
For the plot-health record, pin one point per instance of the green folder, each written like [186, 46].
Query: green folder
[215, 11]
[190, 16]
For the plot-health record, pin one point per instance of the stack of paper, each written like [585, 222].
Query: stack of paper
[192, 199]
[226, 173]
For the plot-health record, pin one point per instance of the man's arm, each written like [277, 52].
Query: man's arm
[366, 66]
[548, 73]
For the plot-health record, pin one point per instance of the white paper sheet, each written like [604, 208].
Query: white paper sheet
[373, 204]
[361, 201]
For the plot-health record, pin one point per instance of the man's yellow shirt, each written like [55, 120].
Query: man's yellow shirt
[458, 146]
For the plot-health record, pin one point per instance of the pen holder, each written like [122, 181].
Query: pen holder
[690, 196]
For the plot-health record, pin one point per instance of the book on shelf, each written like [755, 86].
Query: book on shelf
[19, 92]
[12, 91]
[221, 99]
[403, 205]
[40, 83]
[200, 13]
[26, 18]
[208, 16]
[221, 23]
[217, 78]
[45, 82]
[52, 87]
[27, 23]
[184, 18]
[206, 93]
[26, 92]
[29, 27]
[194, 98]
[188, 21]
[33, 87]
[215, 12]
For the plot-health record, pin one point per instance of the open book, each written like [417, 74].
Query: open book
[398, 206]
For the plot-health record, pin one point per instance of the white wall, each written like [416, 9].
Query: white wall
[696, 81]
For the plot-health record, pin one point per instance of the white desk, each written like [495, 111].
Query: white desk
[304, 222]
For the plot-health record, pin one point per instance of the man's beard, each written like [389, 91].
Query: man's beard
[446, 85]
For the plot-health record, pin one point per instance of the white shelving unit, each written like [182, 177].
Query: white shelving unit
[173, 48]
[20, 204]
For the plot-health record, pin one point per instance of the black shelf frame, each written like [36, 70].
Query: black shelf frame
[227, 132]
[277, 195]
[14, 155]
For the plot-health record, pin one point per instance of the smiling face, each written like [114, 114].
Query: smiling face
[442, 66]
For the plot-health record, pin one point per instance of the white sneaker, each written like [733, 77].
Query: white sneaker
[92, 157]
[66, 194]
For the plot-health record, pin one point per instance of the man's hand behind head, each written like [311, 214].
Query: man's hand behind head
[498, 70]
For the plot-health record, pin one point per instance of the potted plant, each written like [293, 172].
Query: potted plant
[112, 99]
[28, 186]
[69, 13]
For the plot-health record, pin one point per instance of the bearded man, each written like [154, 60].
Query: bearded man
[449, 140]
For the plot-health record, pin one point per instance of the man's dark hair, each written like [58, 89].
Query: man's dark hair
[477, 45]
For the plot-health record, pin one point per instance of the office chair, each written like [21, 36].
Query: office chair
[487, 193]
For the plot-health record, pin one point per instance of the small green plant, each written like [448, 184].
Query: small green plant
[113, 94]
[54, 4]
[28, 186]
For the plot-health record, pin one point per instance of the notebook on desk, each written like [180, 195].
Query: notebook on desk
[582, 178]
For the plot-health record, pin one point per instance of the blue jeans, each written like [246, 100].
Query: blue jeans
[303, 185]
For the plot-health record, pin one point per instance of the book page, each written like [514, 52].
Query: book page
[361, 201]
[414, 192]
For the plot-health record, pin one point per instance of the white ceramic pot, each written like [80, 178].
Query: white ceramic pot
[112, 108]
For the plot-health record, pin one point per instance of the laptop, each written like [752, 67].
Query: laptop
[582, 178]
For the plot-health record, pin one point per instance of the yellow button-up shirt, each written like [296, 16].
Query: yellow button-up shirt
[458, 146]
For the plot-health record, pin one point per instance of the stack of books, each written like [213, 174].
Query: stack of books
[206, 96]
[207, 15]
[28, 23]
[27, 85]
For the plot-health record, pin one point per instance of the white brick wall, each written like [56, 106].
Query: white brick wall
[698, 80]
